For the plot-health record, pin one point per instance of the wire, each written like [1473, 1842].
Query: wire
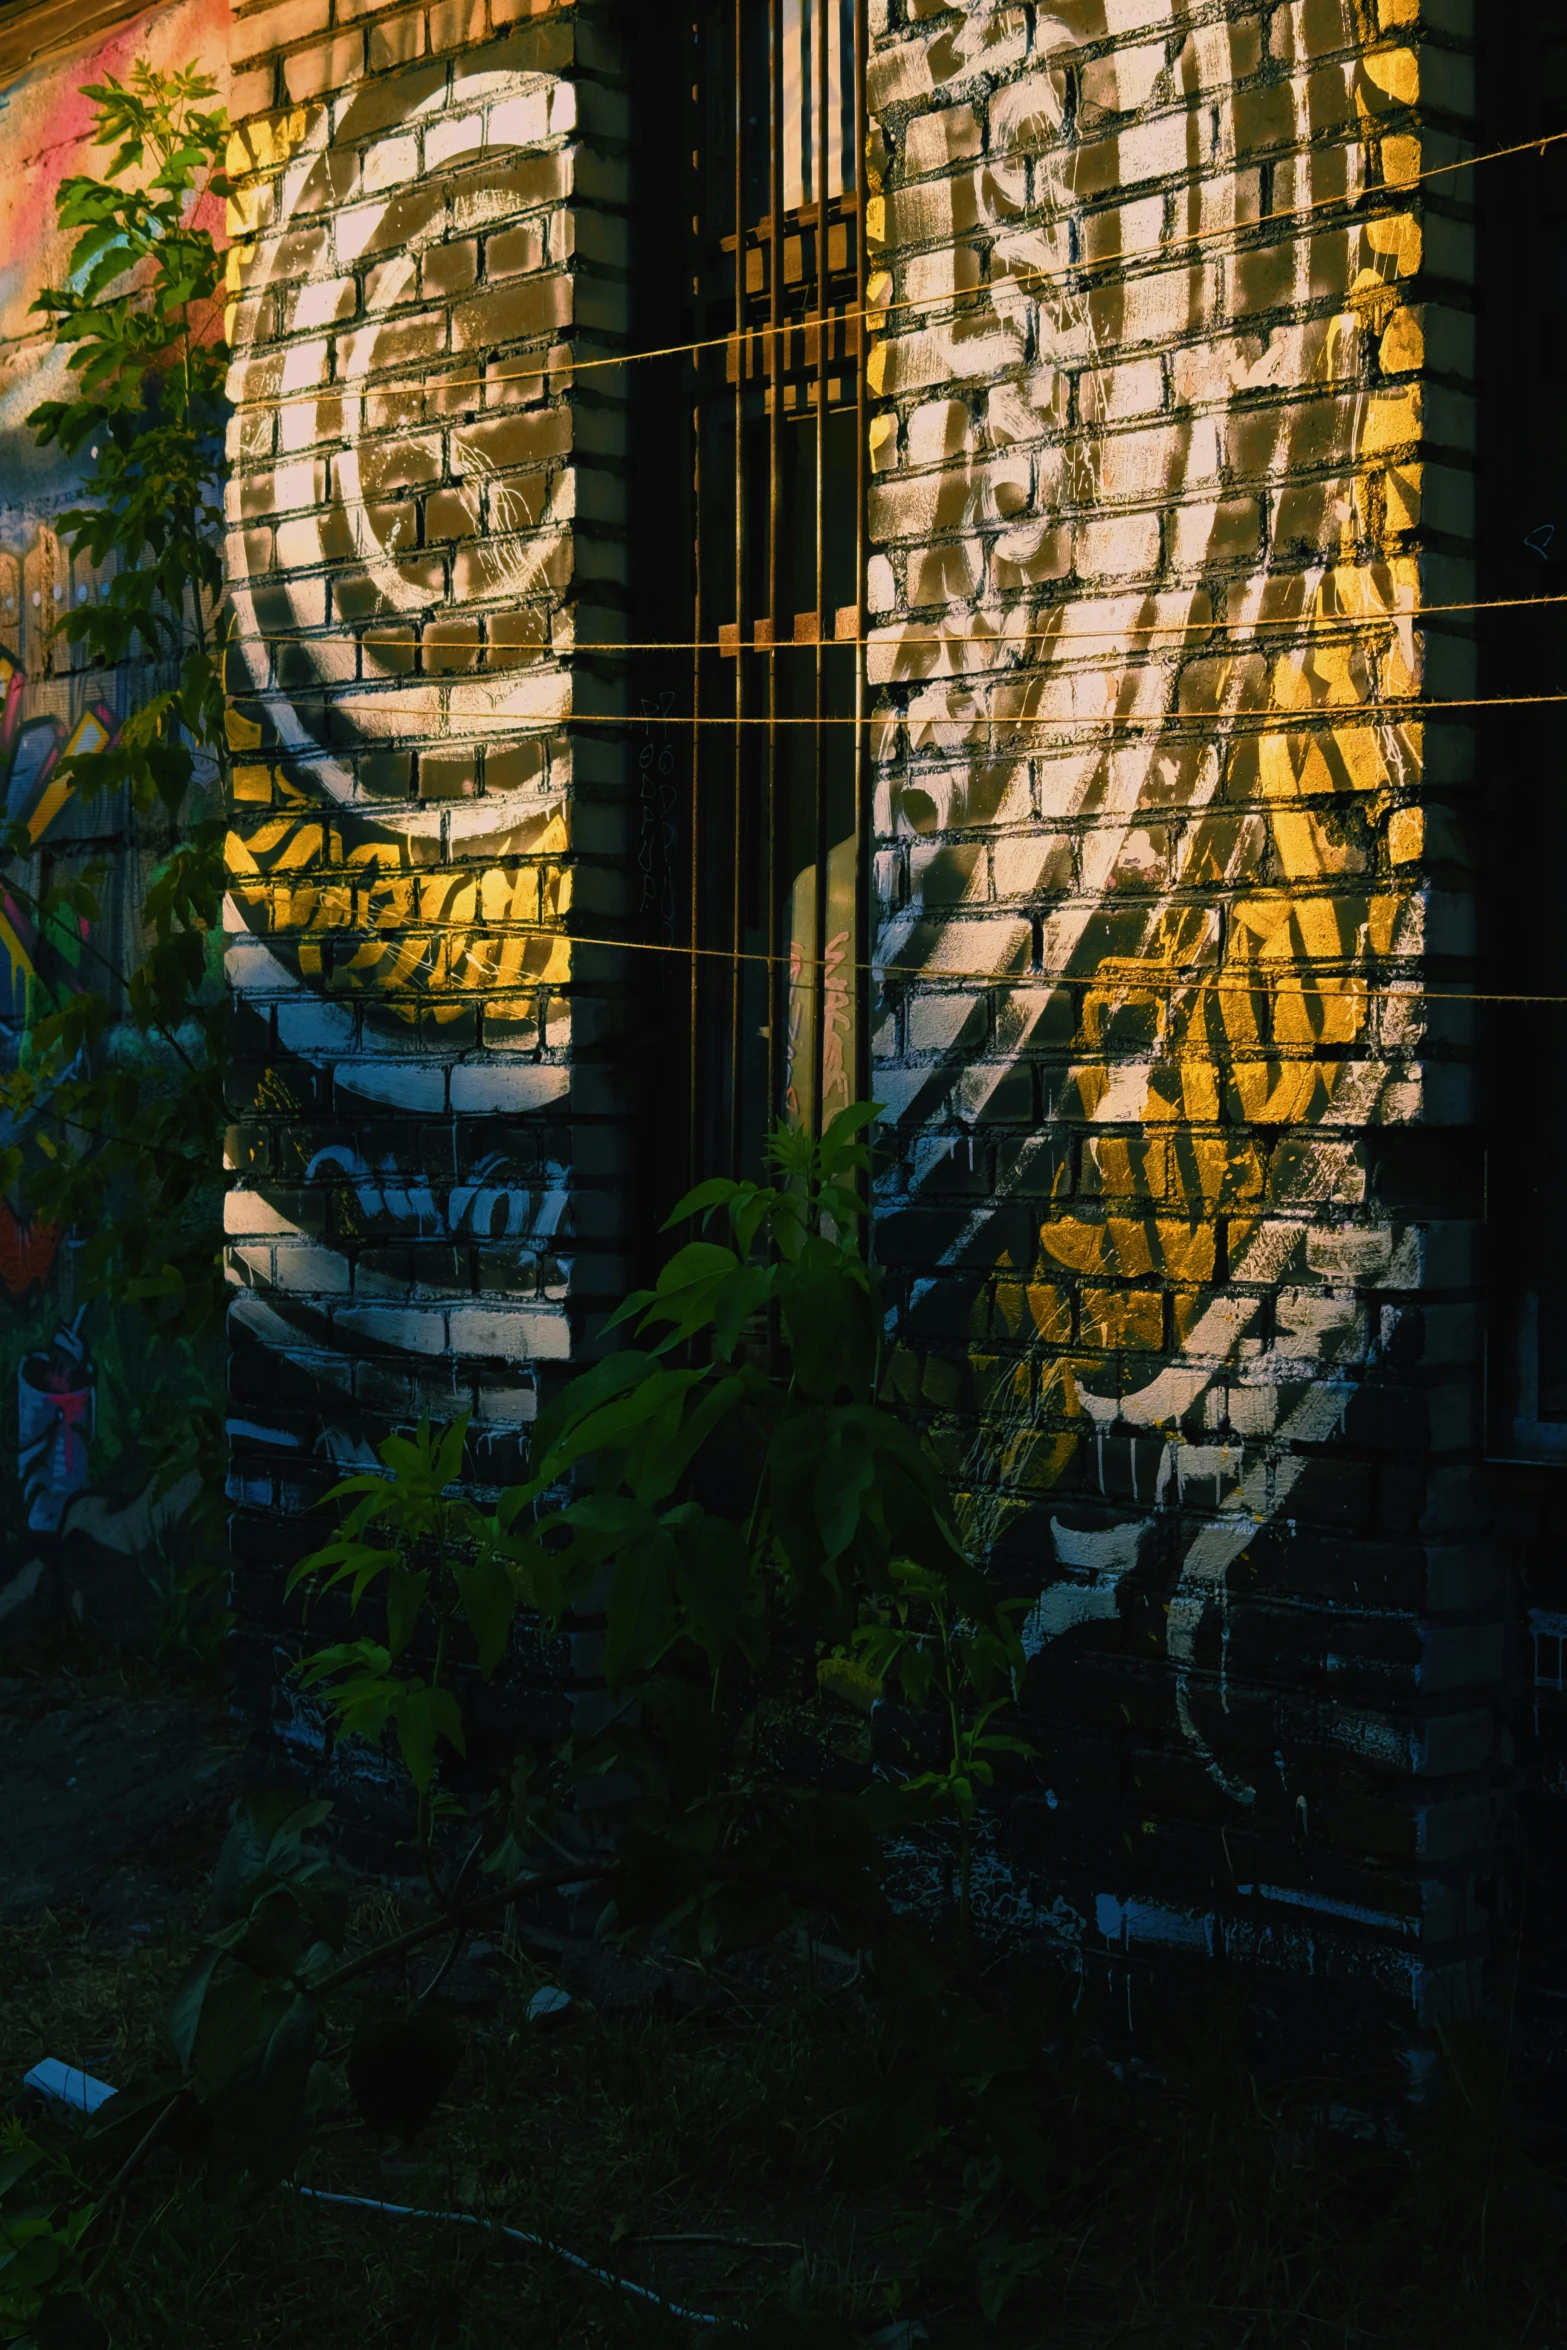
[1310, 979]
[1238, 722]
[1134, 265]
[1322, 628]
[876, 313]
[470, 2219]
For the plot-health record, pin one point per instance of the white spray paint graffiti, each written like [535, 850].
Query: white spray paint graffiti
[487, 119]
[1106, 1554]
[1015, 463]
[366, 629]
[484, 1207]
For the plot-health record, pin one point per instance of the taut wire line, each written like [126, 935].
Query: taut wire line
[876, 313]
[1310, 981]
[1237, 722]
[1322, 627]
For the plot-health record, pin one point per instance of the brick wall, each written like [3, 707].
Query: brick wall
[428, 509]
[1520, 838]
[1167, 836]
[1182, 1226]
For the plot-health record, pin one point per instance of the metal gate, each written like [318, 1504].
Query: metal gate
[771, 899]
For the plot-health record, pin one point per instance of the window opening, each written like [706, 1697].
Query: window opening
[774, 878]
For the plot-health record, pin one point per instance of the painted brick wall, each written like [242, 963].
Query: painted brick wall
[427, 506]
[1182, 1227]
[1183, 1223]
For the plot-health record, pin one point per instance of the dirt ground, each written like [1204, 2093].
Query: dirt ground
[111, 1797]
[680, 2128]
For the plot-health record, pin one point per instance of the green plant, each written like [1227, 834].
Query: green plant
[836, 1556]
[914, 1642]
[759, 1537]
[189, 1620]
[43, 2220]
[119, 1095]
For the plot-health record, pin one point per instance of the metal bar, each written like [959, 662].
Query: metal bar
[823, 844]
[698, 632]
[777, 985]
[863, 860]
[737, 827]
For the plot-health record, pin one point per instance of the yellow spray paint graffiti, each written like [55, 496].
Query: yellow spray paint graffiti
[421, 874]
[1074, 488]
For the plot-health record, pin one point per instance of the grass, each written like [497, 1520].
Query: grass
[641, 2117]
[687, 2128]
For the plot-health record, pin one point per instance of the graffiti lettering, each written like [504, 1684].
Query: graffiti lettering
[482, 1208]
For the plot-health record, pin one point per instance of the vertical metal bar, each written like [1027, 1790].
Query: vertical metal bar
[823, 845]
[738, 843]
[777, 935]
[693, 1132]
[863, 864]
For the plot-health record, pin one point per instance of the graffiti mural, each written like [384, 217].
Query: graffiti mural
[1144, 622]
[86, 1401]
[1151, 754]
[404, 500]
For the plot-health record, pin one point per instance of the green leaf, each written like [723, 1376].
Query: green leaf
[348, 1558]
[830, 1324]
[629, 1308]
[237, 2019]
[405, 1592]
[35, 2260]
[716, 1192]
[680, 1447]
[621, 1420]
[744, 1293]
[272, 1940]
[489, 1601]
[185, 2012]
[600, 1524]
[448, 1460]
[341, 1657]
[849, 1679]
[688, 1289]
[838, 1148]
[591, 1388]
[266, 1835]
[845, 1474]
[994, 1743]
[916, 1671]
[422, 1715]
[325, 1901]
[536, 1574]
[261, 2106]
[640, 1615]
[714, 1578]
[15, 2164]
[280, 2121]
